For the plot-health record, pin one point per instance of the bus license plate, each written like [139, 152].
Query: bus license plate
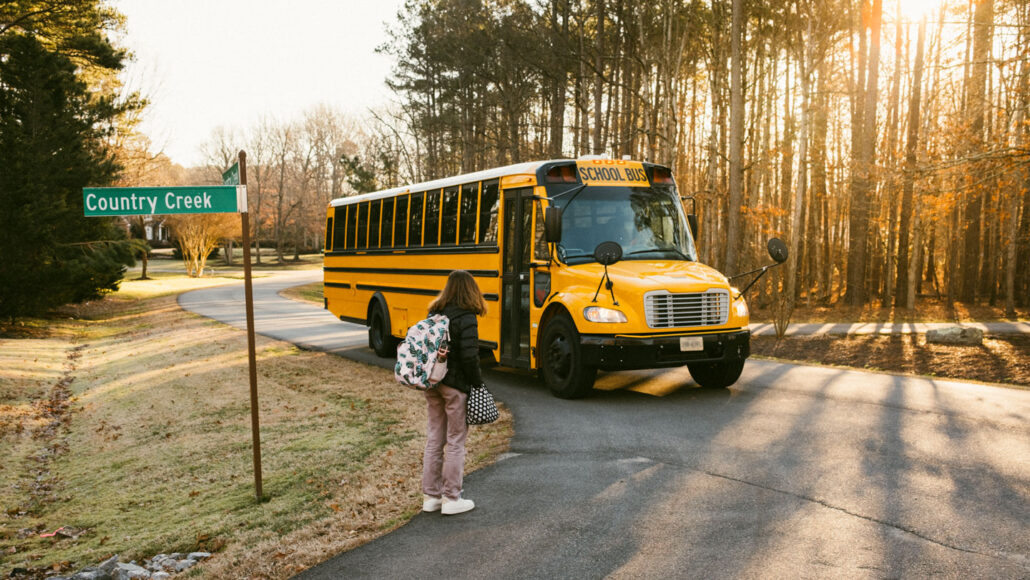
[692, 343]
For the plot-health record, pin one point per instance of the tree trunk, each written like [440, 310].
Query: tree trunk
[862, 177]
[1021, 176]
[913, 267]
[823, 265]
[982, 25]
[599, 79]
[787, 144]
[712, 218]
[894, 117]
[736, 176]
[911, 148]
[800, 192]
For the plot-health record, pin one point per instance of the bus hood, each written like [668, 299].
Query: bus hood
[656, 275]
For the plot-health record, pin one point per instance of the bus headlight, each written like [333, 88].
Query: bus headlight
[740, 308]
[598, 314]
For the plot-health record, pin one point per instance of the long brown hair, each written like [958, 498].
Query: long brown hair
[461, 290]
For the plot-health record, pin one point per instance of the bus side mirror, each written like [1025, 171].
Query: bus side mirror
[692, 222]
[552, 225]
[607, 253]
[777, 250]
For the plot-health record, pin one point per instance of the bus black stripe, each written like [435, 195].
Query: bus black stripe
[441, 250]
[410, 271]
[416, 291]
[336, 284]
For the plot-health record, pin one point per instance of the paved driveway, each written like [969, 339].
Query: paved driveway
[794, 472]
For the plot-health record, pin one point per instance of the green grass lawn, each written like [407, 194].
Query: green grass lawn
[127, 421]
[306, 293]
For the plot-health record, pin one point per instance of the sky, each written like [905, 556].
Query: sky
[210, 63]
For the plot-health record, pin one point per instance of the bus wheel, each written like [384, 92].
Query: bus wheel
[561, 364]
[716, 375]
[379, 337]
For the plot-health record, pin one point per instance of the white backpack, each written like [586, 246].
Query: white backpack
[422, 356]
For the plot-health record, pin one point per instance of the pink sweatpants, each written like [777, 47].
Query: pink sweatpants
[444, 461]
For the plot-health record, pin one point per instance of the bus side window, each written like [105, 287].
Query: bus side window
[415, 223]
[352, 226]
[449, 217]
[362, 239]
[388, 222]
[400, 222]
[329, 234]
[340, 228]
[488, 213]
[469, 209]
[373, 224]
[432, 230]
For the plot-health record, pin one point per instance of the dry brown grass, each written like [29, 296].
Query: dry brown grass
[156, 456]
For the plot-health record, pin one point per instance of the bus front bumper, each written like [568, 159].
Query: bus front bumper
[610, 352]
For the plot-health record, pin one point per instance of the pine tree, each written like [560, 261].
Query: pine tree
[50, 148]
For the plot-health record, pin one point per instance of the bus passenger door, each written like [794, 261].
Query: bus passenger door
[515, 278]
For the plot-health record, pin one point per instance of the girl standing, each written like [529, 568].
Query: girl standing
[444, 461]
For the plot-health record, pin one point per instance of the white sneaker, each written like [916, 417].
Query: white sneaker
[456, 506]
[430, 503]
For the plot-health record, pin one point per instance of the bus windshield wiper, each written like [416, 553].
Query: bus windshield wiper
[567, 258]
[670, 249]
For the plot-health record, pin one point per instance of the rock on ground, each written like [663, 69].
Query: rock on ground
[955, 335]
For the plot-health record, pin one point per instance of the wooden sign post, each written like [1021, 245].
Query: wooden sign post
[237, 175]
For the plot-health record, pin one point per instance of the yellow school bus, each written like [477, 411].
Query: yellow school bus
[585, 264]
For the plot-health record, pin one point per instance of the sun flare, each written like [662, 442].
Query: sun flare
[913, 10]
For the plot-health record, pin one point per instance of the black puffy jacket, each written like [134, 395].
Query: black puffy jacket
[463, 360]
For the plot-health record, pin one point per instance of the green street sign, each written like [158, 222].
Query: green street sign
[232, 175]
[108, 201]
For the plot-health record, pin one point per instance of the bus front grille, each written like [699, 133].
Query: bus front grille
[664, 309]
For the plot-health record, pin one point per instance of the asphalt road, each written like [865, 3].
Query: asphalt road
[795, 472]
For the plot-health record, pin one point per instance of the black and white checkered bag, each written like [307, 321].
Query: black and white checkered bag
[480, 409]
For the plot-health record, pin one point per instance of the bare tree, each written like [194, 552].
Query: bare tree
[198, 234]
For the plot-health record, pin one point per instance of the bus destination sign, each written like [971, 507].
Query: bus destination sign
[109, 201]
[612, 172]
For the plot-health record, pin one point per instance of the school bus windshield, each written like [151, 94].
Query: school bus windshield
[648, 223]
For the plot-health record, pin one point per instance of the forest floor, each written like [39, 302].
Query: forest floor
[1001, 359]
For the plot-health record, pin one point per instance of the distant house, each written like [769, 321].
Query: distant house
[153, 227]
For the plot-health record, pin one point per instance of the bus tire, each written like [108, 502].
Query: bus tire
[561, 361]
[716, 375]
[379, 337]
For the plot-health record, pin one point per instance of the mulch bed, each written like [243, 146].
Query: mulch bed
[1001, 359]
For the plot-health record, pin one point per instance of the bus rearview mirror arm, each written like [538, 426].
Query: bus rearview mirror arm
[777, 251]
[607, 253]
